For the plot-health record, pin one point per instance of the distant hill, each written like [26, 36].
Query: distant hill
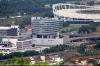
[24, 7]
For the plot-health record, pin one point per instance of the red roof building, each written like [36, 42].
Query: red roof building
[28, 27]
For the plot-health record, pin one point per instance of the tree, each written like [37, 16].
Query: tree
[56, 48]
[41, 64]
[19, 54]
[19, 62]
[24, 21]
[1, 54]
[33, 45]
[88, 28]
[97, 45]
[93, 62]
[93, 27]
[81, 48]
[23, 62]
[66, 24]
[91, 3]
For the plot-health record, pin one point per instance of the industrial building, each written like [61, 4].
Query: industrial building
[12, 30]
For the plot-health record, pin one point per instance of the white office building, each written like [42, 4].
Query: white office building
[24, 45]
[8, 45]
[45, 31]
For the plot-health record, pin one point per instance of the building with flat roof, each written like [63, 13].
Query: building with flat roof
[15, 44]
[12, 41]
[46, 27]
[12, 30]
[8, 45]
[45, 31]
[24, 45]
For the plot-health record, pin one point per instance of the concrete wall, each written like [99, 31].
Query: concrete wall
[47, 41]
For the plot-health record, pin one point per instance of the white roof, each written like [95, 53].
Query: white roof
[4, 28]
[72, 13]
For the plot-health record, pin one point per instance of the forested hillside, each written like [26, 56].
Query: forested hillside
[24, 7]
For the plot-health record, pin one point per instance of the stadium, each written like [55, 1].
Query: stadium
[76, 11]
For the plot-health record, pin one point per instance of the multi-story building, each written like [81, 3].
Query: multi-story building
[7, 45]
[45, 31]
[9, 31]
[24, 45]
[11, 40]
[46, 27]
[15, 44]
[8, 38]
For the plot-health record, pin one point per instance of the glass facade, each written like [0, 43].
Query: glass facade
[46, 27]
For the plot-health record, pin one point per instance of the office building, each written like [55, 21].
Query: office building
[45, 31]
[24, 45]
[8, 45]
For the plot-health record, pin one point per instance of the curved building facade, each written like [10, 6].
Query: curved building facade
[46, 27]
[46, 31]
[76, 11]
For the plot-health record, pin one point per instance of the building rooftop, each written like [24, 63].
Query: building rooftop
[4, 28]
[8, 27]
[76, 11]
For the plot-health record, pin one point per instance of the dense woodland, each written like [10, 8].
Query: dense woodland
[57, 48]
[27, 7]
